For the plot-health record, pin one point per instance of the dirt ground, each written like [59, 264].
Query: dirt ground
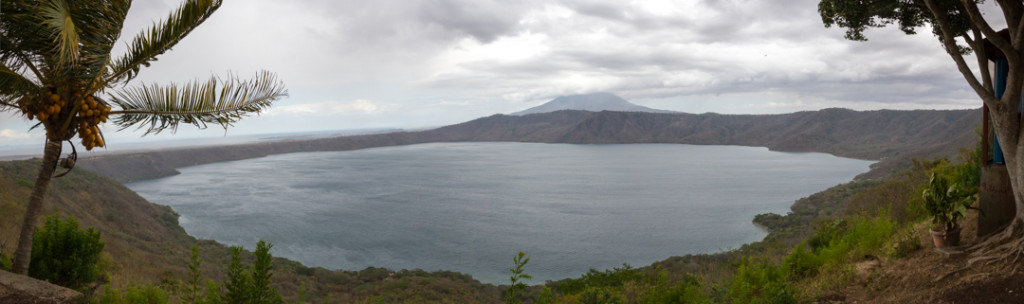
[929, 276]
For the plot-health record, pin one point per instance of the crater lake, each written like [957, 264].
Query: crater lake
[470, 207]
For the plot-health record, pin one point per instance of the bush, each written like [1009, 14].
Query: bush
[614, 277]
[146, 294]
[684, 292]
[596, 295]
[826, 233]
[802, 263]
[760, 282]
[64, 255]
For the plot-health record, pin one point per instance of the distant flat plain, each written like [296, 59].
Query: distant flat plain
[469, 207]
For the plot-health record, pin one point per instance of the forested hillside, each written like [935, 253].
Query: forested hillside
[893, 137]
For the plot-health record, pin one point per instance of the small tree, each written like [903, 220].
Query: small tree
[64, 255]
[251, 285]
[238, 279]
[515, 290]
[194, 279]
[260, 289]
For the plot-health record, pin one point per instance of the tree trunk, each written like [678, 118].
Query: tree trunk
[23, 255]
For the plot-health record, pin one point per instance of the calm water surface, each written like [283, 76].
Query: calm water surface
[469, 207]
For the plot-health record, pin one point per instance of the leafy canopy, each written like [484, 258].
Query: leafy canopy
[857, 16]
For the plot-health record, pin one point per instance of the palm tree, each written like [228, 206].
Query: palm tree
[56, 67]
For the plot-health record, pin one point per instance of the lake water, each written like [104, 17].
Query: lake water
[470, 207]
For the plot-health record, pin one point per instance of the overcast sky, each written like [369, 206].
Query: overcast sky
[352, 64]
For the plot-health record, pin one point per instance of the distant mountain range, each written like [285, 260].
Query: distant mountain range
[893, 137]
[594, 102]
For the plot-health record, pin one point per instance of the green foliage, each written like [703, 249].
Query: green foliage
[372, 274]
[894, 197]
[614, 277]
[515, 290]
[597, 295]
[546, 296]
[192, 295]
[5, 261]
[145, 294]
[945, 200]
[857, 16]
[686, 291]
[826, 233]
[238, 279]
[24, 183]
[64, 255]
[148, 294]
[760, 282]
[967, 174]
[251, 285]
[260, 290]
[862, 236]
[213, 294]
[372, 300]
[802, 263]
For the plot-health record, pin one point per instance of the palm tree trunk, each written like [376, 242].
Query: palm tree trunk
[23, 255]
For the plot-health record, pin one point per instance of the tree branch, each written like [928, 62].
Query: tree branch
[977, 20]
[1013, 10]
[978, 44]
[950, 43]
[1018, 37]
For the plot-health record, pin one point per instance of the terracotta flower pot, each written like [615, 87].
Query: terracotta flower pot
[946, 238]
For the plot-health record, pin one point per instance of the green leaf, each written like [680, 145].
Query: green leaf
[56, 16]
[215, 101]
[160, 38]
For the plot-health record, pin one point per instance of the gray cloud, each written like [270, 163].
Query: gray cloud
[436, 62]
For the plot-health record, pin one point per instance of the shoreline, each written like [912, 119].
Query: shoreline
[723, 250]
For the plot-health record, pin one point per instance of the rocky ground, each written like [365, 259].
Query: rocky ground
[25, 290]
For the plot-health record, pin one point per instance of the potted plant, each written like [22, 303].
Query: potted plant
[947, 204]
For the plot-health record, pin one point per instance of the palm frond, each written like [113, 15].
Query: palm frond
[13, 84]
[23, 36]
[56, 15]
[150, 43]
[99, 24]
[215, 101]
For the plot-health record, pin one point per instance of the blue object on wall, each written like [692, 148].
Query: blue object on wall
[1002, 71]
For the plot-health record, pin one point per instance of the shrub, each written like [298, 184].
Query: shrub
[64, 255]
[614, 277]
[801, 262]
[684, 292]
[546, 296]
[596, 295]
[760, 282]
[826, 233]
[146, 294]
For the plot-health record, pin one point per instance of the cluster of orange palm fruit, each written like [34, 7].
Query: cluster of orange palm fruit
[53, 110]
